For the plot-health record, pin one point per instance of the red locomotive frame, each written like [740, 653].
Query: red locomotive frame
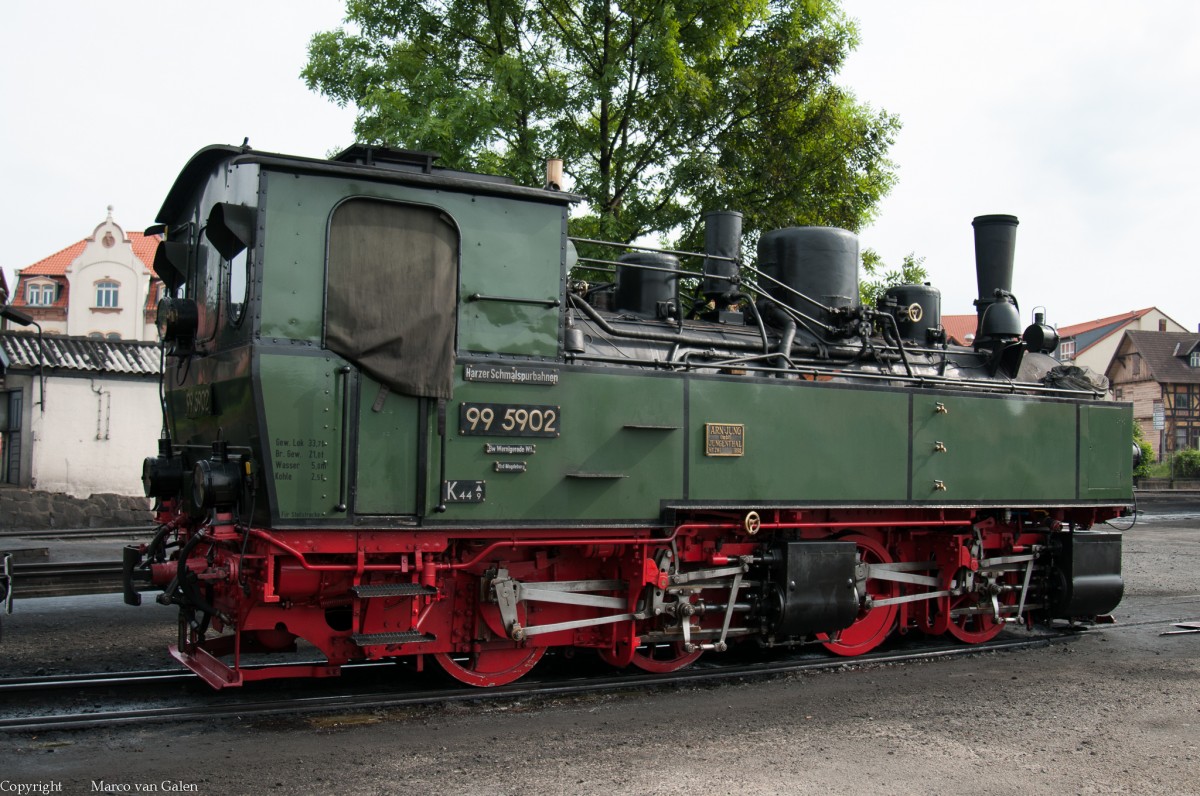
[487, 605]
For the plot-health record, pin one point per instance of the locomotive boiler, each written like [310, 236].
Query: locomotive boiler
[406, 416]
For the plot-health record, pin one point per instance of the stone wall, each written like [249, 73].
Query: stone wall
[25, 509]
[1155, 484]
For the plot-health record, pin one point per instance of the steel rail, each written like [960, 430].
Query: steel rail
[54, 682]
[80, 533]
[522, 690]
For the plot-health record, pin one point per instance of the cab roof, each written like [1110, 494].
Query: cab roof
[360, 161]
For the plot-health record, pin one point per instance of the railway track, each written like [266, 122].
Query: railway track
[205, 705]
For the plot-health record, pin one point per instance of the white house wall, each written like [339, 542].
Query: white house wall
[94, 434]
[1098, 355]
[108, 257]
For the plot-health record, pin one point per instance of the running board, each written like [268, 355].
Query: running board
[392, 590]
[377, 639]
[219, 674]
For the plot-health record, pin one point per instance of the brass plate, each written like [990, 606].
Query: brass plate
[724, 439]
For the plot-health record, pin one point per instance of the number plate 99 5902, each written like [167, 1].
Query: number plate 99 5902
[508, 420]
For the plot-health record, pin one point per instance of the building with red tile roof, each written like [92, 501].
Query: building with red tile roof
[1089, 344]
[101, 286]
[82, 393]
[960, 329]
[1092, 344]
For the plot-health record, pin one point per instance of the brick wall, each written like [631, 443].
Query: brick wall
[1143, 394]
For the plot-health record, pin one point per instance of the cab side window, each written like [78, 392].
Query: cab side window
[392, 293]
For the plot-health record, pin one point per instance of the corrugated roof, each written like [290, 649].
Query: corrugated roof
[1158, 350]
[84, 354]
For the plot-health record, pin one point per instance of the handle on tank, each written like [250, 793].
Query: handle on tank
[440, 508]
[343, 373]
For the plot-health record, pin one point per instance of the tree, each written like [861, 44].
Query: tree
[659, 110]
[870, 290]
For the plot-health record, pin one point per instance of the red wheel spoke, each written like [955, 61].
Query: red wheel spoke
[487, 668]
[873, 625]
[659, 659]
[979, 625]
[664, 658]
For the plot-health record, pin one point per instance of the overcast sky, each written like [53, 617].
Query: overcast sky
[1080, 118]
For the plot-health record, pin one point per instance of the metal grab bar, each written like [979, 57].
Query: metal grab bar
[343, 373]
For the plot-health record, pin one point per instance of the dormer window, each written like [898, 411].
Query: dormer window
[106, 295]
[1194, 359]
[40, 294]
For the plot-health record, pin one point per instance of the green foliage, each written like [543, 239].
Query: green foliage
[1139, 439]
[876, 277]
[660, 111]
[1186, 463]
[1160, 469]
[1181, 464]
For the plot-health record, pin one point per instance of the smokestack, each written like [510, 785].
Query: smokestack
[554, 174]
[995, 245]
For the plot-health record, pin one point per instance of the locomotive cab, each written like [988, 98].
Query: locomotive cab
[315, 320]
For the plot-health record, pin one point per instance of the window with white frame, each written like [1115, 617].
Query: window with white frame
[1066, 349]
[1194, 359]
[40, 294]
[106, 294]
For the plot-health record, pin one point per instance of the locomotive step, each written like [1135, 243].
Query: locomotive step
[392, 590]
[375, 639]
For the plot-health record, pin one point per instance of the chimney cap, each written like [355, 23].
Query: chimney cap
[995, 218]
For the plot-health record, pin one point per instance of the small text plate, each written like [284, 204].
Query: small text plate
[724, 439]
[464, 491]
